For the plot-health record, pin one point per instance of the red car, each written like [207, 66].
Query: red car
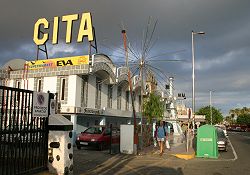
[97, 136]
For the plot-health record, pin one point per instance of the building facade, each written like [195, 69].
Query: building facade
[96, 93]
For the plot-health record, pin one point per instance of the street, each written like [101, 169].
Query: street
[88, 161]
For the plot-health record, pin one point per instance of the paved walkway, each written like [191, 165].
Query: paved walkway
[149, 159]
[178, 150]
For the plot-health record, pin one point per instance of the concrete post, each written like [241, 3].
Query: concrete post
[73, 119]
[60, 146]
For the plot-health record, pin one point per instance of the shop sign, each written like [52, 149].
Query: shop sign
[85, 29]
[58, 62]
[93, 111]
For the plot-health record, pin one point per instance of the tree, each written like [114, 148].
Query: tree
[241, 115]
[216, 114]
[243, 119]
[238, 111]
[153, 107]
[229, 119]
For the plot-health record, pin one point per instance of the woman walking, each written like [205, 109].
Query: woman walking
[161, 135]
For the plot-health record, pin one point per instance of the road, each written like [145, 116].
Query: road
[235, 161]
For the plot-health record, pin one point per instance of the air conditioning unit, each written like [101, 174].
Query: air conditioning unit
[68, 109]
[79, 110]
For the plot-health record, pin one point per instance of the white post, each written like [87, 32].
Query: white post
[193, 79]
[211, 114]
[193, 75]
[171, 95]
[73, 119]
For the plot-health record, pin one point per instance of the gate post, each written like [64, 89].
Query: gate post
[60, 145]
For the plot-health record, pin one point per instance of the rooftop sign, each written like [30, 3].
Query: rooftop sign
[58, 62]
[85, 28]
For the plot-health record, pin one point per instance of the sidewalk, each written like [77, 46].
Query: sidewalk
[178, 150]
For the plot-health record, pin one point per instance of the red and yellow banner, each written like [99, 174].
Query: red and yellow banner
[58, 62]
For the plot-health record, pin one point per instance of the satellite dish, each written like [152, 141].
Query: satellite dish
[15, 64]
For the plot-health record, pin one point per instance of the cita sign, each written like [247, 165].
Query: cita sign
[85, 28]
[40, 104]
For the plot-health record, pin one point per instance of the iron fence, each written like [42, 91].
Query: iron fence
[23, 138]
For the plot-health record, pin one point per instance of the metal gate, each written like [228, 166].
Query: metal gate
[23, 138]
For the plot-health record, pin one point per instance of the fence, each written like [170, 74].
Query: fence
[23, 138]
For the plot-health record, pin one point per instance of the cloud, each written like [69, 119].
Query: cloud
[222, 54]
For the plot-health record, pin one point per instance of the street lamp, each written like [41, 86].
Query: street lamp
[210, 104]
[193, 75]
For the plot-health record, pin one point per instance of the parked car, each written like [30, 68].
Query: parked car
[97, 136]
[223, 127]
[222, 140]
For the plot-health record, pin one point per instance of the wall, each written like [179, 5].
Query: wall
[31, 83]
[49, 84]
[72, 87]
[91, 91]
[104, 96]
[114, 97]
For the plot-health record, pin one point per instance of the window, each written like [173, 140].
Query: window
[119, 97]
[18, 84]
[110, 91]
[39, 85]
[84, 97]
[62, 91]
[98, 93]
[127, 100]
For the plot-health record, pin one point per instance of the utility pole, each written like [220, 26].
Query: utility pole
[130, 85]
[142, 92]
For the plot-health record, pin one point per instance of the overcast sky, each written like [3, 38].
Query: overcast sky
[221, 55]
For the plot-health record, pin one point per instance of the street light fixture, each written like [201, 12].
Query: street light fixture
[193, 74]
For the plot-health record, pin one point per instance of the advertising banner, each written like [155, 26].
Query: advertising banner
[58, 62]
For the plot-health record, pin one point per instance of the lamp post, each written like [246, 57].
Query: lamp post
[210, 104]
[193, 74]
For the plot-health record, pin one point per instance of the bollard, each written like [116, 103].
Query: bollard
[60, 146]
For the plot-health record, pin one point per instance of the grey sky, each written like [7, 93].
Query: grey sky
[222, 55]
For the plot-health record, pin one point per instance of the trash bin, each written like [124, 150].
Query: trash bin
[207, 142]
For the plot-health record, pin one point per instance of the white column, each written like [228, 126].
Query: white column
[103, 121]
[73, 119]
[171, 95]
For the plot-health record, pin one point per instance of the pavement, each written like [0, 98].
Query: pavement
[178, 149]
[96, 162]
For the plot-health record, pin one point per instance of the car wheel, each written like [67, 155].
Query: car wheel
[78, 147]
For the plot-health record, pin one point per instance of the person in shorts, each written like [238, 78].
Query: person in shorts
[161, 136]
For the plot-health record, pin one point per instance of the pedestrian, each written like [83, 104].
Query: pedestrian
[161, 136]
[184, 129]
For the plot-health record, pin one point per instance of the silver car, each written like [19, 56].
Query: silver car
[222, 140]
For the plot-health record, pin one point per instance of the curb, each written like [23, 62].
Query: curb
[184, 156]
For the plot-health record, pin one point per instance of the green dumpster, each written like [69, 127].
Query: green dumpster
[207, 142]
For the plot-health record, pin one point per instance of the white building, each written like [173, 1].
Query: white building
[95, 93]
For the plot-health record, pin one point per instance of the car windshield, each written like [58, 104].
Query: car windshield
[94, 130]
[220, 133]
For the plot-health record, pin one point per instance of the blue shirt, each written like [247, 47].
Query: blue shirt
[160, 132]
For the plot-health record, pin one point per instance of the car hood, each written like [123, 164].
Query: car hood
[88, 137]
